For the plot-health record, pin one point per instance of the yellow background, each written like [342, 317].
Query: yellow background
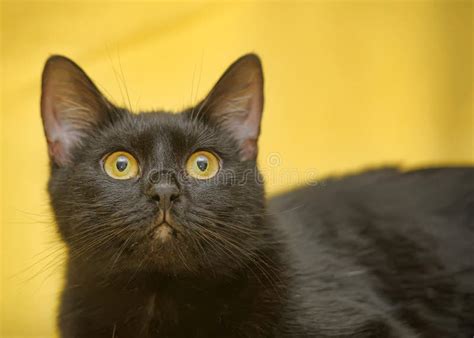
[348, 85]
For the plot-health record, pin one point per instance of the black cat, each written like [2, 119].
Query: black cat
[169, 233]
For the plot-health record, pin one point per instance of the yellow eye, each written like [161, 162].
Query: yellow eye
[121, 165]
[202, 165]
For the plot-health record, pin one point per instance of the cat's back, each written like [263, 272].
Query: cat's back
[398, 244]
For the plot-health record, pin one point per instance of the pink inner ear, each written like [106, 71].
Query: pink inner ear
[54, 128]
[70, 106]
[56, 152]
[249, 130]
[236, 103]
[61, 131]
[51, 127]
[249, 149]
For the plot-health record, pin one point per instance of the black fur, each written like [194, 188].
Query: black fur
[380, 254]
[383, 253]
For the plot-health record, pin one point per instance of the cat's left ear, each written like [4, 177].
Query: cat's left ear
[71, 107]
[236, 103]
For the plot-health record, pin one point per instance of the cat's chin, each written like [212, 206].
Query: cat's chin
[164, 233]
[165, 250]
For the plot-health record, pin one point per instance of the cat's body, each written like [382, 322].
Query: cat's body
[385, 253]
[169, 233]
[380, 254]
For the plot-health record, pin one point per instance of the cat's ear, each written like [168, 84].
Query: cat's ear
[71, 106]
[236, 103]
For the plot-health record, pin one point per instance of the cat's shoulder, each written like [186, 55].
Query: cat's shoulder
[387, 183]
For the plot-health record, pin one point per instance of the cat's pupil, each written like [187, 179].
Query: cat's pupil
[121, 163]
[202, 163]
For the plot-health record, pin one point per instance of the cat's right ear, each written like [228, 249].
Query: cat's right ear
[236, 104]
[71, 107]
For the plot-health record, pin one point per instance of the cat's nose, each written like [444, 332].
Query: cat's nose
[165, 194]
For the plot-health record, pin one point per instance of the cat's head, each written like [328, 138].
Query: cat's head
[179, 193]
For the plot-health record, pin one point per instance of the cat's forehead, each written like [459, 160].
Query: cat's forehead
[163, 134]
